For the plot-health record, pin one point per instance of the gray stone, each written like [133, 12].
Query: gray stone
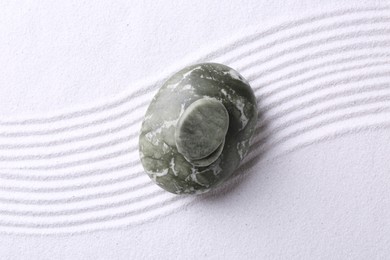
[201, 130]
[197, 128]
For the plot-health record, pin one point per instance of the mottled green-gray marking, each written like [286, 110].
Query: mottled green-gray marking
[197, 128]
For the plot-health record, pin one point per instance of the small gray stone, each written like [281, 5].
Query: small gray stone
[201, 129]
[197, 128]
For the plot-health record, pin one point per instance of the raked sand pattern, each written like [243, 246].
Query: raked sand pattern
[315, 79]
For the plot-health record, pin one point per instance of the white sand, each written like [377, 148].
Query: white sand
[314, 185]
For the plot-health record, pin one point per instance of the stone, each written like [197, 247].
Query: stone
[198, 128]
[201, 130]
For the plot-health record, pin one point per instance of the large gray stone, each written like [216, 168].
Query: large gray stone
[197, 128]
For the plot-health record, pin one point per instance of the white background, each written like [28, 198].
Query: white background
[55, 54]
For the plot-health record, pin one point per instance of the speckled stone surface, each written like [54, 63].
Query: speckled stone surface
[197, 128]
